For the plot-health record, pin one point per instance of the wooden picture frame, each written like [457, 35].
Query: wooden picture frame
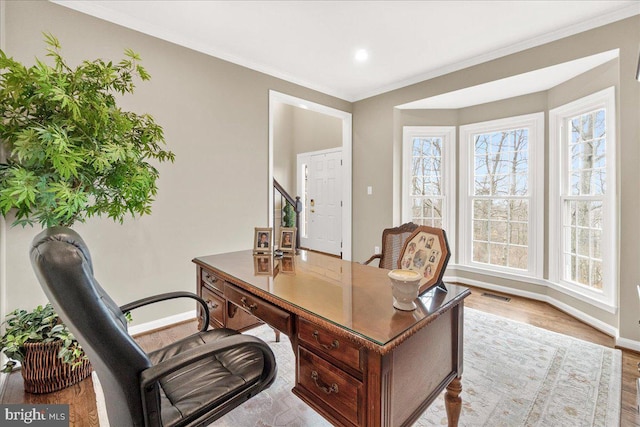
[263, 264]
[426, 250]
[262, 240]
[287, 239]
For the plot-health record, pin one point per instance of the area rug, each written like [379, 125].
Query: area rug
[514, 375]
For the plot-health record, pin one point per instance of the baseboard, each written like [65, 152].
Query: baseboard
[628, 344]
[589, 320]
[162, 323]
[4, 378]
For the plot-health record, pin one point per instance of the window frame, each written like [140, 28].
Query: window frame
[606, 298]
[448, 174]
[535, 178]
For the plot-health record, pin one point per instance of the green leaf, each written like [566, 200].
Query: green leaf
[72, 151]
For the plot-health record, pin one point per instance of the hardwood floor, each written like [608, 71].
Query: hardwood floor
[81, 397]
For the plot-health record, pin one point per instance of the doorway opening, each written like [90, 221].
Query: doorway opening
[340, 182]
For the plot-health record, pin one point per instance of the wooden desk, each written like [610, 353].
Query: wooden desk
[359, 361]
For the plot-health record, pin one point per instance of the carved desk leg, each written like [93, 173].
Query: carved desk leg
[453, 401]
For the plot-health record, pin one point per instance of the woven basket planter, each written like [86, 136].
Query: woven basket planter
[44, 372]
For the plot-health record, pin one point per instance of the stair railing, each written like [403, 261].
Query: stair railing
[296, 203]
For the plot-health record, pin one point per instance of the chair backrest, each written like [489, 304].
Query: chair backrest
[62, 263]
[392, 242]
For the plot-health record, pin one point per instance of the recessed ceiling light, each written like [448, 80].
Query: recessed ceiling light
[303, 106]
[362, 55]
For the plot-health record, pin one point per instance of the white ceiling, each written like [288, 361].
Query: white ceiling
[313, 43]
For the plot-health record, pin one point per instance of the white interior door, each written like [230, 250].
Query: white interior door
[323, 204]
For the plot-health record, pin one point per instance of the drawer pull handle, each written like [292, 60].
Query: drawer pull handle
[208, 276]
[334, 345]
[245, 304]
[212, 305]
[327, 390]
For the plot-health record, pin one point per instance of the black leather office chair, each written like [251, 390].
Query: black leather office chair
[188, 383]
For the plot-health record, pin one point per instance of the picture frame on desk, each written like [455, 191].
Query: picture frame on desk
[262, 240]
[427, 251]
[287, 239]
[263, 264]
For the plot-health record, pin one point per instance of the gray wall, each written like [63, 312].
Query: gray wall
[298, 130]
[378, 137]
[215, 118]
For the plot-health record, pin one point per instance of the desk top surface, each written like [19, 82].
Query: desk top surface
[347, 294]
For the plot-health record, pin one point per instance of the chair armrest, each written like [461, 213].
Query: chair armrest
[376, 256]
[167, 296]
[150, 376]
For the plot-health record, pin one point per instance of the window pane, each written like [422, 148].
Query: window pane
[437, 207]
[426, 180]
[587, 148]
[583, 272]
[481, 230]
[416, 186]
[520, 184]
[582, 214]
[582, 240]
[598, 182]
[498, 254]
[518, 257]
[570, 268]
[519, 210]
[595, 241]
[501, 163]
[518, 234]
[500, 209]
[482, 185]
[481, 209]
[481, 252]
[583, 245]
[498, 231]
[596, 274]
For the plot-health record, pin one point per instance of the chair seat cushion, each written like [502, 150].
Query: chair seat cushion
[205, 384]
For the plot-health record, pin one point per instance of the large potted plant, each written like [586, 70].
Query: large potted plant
[69, 152]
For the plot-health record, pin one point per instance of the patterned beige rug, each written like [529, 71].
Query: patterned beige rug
[514, 375]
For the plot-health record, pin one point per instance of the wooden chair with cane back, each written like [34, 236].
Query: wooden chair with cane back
[392, 243]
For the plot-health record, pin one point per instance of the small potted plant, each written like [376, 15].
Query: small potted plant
[50, 356]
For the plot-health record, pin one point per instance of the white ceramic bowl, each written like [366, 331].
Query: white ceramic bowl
[404, 287]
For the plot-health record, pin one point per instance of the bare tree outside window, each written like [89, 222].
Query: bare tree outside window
[501, 198]
[426, 181]
[584, 199]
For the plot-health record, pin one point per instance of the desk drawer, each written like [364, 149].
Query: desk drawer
[212, 280]
[216, 307]
[265, 311]
[334, 387]
[337, 347]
